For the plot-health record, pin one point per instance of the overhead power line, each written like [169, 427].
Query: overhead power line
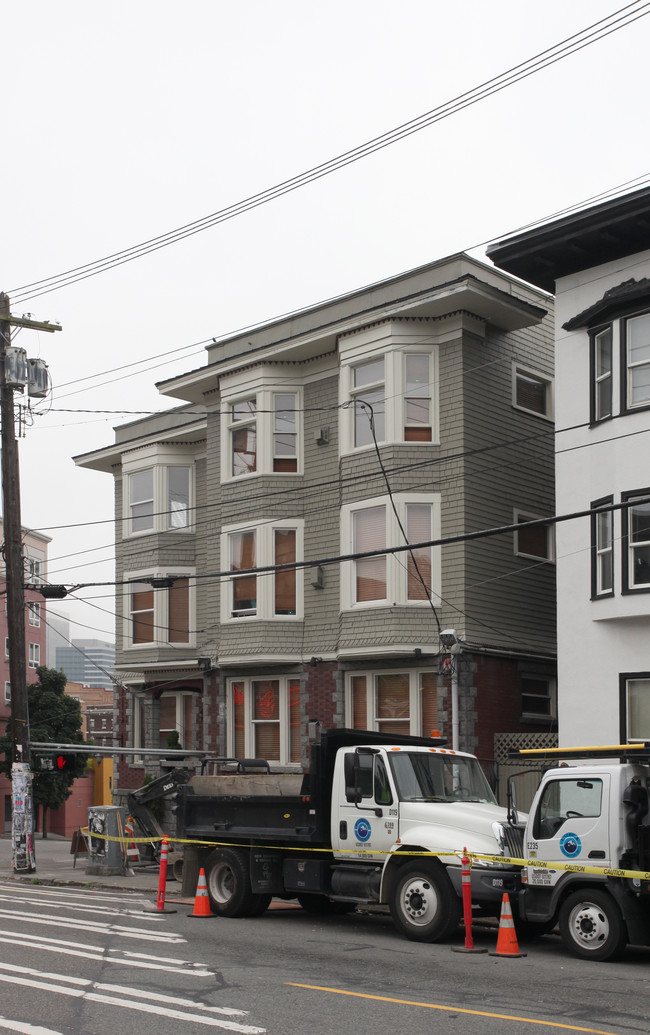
[619, 19]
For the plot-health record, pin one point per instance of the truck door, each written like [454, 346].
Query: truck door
[569, 823]
[365, 832]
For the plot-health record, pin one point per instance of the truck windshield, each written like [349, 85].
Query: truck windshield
[427, 776]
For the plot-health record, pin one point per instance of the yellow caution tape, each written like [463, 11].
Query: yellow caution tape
[503, 860]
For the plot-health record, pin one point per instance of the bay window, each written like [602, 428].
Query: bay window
[158, 497]
[636, 352]
[634, 690]
[264, 719]
[271, 594]
[408, 577]
[602, 550]
[398, 387]
[636, 542]
[393, 702]
[159, 614]
[261, 427]
[602, 374]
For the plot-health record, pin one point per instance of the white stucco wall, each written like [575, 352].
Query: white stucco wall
[599, 639]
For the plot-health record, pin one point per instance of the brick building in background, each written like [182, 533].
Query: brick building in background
[35, 548]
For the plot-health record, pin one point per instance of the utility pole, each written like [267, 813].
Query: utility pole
[22, 826]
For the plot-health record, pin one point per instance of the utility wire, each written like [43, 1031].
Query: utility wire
[617, 20]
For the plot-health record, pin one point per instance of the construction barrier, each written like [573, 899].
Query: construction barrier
[466, 878]
[201, 901]
[507, 944]
[132, 853]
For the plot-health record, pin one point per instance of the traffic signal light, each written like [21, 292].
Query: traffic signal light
[55, 763]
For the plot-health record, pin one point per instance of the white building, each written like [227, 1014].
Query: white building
[598, 263]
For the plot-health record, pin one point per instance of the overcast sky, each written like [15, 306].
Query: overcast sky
[125, 121]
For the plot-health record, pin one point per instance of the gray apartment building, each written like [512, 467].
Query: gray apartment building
[262, 526]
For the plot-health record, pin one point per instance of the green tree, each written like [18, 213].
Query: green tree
[54, 717]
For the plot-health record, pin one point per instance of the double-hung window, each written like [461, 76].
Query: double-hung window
[636, 357]
[172, 713]
[532, 392]
[276, 593]
[243, 437]
[370, 527]
[602, 549]
[392, 702]
[261, 427]
[264, 719]
[634, 706]
[389, 396]
[159, 609]
[636, 542]
[7, 693]
[601, 374]
[285, 433]
[34, 610]
[34, 655]
[157, 498]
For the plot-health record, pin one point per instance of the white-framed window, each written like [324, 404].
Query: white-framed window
[602, 374]
[532, 391]
[393, 702]
[636, 542]
[274, 594]
[162, 614]
[175, 714]
[636, 345]
[407, 577]
[33, 570]
[602, 550]
[536, 542]
[398, 387]
[7, 693]
[635, 706]
[537, 697]
[34, 655]
[264, 718]
[158, 492]
[261, 424]
[34, 611]
[6, 647]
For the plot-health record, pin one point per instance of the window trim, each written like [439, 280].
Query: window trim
[546, 381]
[160, 609]
[160, 464]
[34, 613]
[284, 720]
[415, 719]
[396, 572]
[34, 655]
[626, 406]
[262, 391]
[264, 557]
[550, 538]
[626, 588]
[7, 692]
[623, 679]
[594, 381]
[394, 356]
[596, 592]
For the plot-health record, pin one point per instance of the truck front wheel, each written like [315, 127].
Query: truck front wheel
[423, 905]
[591, 925]
[229, 884]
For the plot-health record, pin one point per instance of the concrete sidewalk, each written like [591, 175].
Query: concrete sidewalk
[55, 864]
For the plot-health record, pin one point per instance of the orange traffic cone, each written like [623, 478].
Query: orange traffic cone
[507, 937]
[202, 902]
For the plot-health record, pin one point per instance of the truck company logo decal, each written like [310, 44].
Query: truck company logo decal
[362, 830]
[570, 845]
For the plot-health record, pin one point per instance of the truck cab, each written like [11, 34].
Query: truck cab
[587, 828]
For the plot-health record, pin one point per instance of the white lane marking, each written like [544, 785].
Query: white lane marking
[26, 1029]
[99, 910]
[68, 894]
[86, 925]
[171, 999]
[137, 961]
[13, 977]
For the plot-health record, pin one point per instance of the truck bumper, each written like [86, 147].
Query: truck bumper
[488, 885]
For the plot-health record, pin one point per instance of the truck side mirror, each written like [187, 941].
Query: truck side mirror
[352, 781]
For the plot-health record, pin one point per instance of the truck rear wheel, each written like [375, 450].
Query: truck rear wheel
[591, 925]
[424, 906]
[229, 884]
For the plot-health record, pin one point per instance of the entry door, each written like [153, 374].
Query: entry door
[358, 833]
[571, 824]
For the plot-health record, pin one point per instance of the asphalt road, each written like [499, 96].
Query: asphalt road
[81, 961]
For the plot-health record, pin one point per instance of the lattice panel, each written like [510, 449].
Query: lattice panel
[503, 742]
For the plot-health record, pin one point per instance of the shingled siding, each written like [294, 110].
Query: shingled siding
[510, 600]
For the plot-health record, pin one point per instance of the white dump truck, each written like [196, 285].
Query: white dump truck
[349, 831]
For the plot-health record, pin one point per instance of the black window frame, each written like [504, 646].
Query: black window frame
[623, 679]
[594, 333]
[595, 594]
[626, 588]
[623, 320]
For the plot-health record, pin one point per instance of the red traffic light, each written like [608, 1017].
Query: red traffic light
[61, 762]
